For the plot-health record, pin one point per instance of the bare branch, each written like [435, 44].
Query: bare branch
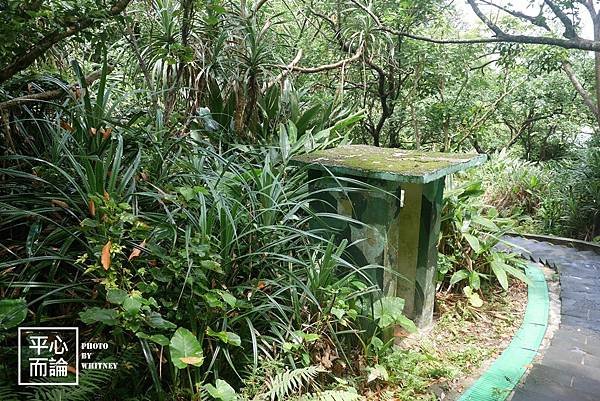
[482, 66]
[325, 18]
[493, 27]
[50, 95]
[286, 70]
[368, 11]
[569, 28]
[258, 6]
[537, 20]
[580, 44]
[574, 42]
[324, 67]
[141, 62]
[27, 58]
[528, 124]
[501, 36]
[587, 99]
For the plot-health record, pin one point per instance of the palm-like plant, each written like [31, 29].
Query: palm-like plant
[190, 236]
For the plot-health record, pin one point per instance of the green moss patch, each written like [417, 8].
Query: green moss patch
[389, 164]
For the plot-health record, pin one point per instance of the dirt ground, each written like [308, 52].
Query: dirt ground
[466, 339]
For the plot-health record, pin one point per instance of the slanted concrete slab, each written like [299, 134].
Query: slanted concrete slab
[408, 166]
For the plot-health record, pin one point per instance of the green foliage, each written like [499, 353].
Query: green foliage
[554, 198]
[285, 383]
[412, 371]
[12, 313]
[90, 383]
[388, 311]
[468, 237]
[7, 392]
[332, 395]
[24, 22]
[179, 235]
[221, 391]
[571, 204]
[513, 186]
[155, 204]
[185, 349]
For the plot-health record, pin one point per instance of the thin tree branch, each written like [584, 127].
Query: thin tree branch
[537, 20]
[488, 113]
[580, 44]
[573, 39]
[141, 62]
[493, 27]
[49, 95]
[258, 6]
[324, 67]
[569, 28]
[587, 99]
[286, 71]
[27, 58]
[501, 36]
[574, 42]
[368, 11]
[482, 66]
[528, 124]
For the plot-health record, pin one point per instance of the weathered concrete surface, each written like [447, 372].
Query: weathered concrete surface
[389, 164]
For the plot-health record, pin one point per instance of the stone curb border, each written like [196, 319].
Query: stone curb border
[568, 242]
[500, 379]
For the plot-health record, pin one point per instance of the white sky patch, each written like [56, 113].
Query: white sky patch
[471, 20]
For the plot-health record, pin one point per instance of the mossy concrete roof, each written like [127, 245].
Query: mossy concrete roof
[389, 163]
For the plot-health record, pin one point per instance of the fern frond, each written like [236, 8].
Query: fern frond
[287, 382]
[91, 383]
[333, 395]
[7, 393]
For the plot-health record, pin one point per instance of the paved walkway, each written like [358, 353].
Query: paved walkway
[570, 368]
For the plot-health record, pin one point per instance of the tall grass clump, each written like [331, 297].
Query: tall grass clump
[557, 197]
[198, 265]
[571, 206]
[515, 187]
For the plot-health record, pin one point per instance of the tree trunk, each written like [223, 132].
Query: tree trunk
[596, 23]
[592, 104]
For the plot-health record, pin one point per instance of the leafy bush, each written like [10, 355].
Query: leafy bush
[571, 206]
[557, 197]
[469, 233]
[513, 186]
[202, 259]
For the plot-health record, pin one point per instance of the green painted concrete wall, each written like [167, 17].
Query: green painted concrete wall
[397, 228]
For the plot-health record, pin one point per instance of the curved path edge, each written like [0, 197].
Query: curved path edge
[570, 367]
[568, 242]
[500, 379]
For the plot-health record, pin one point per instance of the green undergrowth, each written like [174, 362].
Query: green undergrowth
[425, 366]
[201, 259]
[559, 197]
[200, 262]
[463, 339]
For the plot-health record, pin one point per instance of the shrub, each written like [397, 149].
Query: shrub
[571, 206]
[469, 233]
[557, 197]
[200, 262]
[513, 186]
